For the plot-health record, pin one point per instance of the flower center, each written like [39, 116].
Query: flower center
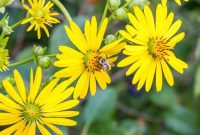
[158, 47]
[39, 14]
[31, 113]
[92, 59]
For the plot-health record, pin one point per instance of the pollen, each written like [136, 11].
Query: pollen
[158, 47]
[91, 61]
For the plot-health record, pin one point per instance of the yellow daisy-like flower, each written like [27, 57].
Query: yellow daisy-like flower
[4, 59]
[25, 112]
[150, 50]
[90, 62]
[164, 2]
[40, 15]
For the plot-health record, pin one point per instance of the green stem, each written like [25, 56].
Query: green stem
[104, 13]
[16, 24]
[27, 61]
[63, 9]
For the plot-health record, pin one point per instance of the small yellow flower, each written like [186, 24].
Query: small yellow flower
[90, 62]
[150, 50]
[39, 16]
[164, 2]
[4, 59]
[44, 108]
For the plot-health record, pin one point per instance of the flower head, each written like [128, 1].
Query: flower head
[4, 59]
[164, 2]
[40, 15]
[151, 46]
[40, 108]
[90, 62]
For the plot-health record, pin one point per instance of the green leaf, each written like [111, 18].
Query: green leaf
[196, 83]
[131, 127]
[181, 120]
[100, 106]
[197, 50]
[166, 98]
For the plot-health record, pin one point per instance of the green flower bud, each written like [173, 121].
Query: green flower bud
[11, 80]
[120, 14]
[2, 10]
[113, 5]
[38, 50]
[109, 39]
[7, 30]
[4, 21]
[139, 3]
[4, 3]
[44, 62]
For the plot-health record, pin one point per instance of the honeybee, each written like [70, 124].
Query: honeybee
[106, 65]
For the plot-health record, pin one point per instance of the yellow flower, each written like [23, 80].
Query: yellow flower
[42, 108]
[39, 16]
[164, 2]
[90, 62]
[151, 45]
[4, 59]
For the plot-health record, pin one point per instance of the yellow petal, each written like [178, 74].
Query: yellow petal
[158, 76]
[150, 20]
[101, 33]
[142, 68]
[62, 106]
[11, 129]
[61, 114]
[36, 84]
[8, 102]
[150, 76]
[80, 84]
[167, 73]
[46, 91]
[93, 33]
[92, 84]
[12, 92]
[43, 130]
[20, 85]
[60, 121]
[54, 129]
[100, 80]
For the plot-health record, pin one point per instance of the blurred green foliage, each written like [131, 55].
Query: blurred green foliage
[121, 110]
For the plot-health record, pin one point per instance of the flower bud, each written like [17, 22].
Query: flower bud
[7, 30]
[4, 21]
[139, 3]
[113, 5]
[109, 39]
[11, 80]
[120, 14]
[4, 3]
[38, 50]
[44, 62]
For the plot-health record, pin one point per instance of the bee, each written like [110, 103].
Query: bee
[106, 65]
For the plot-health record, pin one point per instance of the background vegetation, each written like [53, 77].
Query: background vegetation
[121, 110]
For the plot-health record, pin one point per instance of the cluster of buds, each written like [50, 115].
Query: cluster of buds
[40, 58]
[3, 4]
[119, 11]
[4, 37]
